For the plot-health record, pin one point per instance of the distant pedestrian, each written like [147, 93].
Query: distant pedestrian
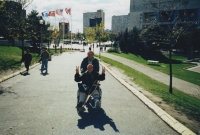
[90, 48]
[105, 48]
[101, 48]
[60, 49]
[44, 57]
[27, 58]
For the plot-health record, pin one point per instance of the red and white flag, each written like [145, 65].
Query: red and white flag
[51, 13]
[59, 12]
[68, 10]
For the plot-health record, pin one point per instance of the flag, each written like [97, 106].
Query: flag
[45, 14]
[68, 10]
[59, 12]
[51, 13]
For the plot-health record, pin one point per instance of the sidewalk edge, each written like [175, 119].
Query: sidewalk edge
[177, 126]
[16, 73]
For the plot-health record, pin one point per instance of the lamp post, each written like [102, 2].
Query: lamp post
[77, 35]
[48, 29]
[83, 43]
[63, 23]
[71, 38]
[41, 22]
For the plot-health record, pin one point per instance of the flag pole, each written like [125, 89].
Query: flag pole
[63, 29]
[55, 18]
[71, 31]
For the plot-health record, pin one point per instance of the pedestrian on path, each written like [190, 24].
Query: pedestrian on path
[44, 57]
[60, 49]
[27, 58]
[90, 59]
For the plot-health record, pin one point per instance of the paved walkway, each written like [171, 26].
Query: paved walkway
[51, 90]
[179, 84]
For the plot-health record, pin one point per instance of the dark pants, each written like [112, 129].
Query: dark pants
[44, 65]
[27, 64]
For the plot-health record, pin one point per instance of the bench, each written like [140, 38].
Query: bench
[154, 62]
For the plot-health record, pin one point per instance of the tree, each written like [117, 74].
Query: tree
[9, 25]
[78, 36]
[55, 36]
[119, 40]
[99, 34]
[34, 27]
[126, 44]
[134, 39]
[189, 40]
[13, 20]
[175, 22]
[112, 36]
[90, 35]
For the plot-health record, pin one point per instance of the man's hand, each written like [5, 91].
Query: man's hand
[77, 69]
[103, 70]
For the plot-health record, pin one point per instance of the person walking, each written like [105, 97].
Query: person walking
[60, 49]
[90, 48]
[27, 58]
[90, 59]
[44, 57]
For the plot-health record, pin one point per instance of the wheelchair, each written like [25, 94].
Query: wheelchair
[89, 103]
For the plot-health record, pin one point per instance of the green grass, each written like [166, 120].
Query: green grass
[178, 69]
[10, 57]
[179, 100]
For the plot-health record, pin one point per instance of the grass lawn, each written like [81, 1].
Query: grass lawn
[10, 57]
[178, 69]
[179, 100]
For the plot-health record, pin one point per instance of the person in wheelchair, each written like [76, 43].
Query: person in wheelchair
[90, 59]
[89, 80]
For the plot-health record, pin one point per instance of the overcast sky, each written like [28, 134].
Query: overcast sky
[78, 7]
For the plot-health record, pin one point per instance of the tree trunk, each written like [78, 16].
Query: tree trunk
[170, 70]
[190, 53]
[22, 46]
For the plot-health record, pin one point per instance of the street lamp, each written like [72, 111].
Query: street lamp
[49, 29]
[41, 22]
[83, 43]
[71, 38]
[63, 23]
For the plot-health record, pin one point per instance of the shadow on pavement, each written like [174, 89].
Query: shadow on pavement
[98, 120]
[24, 73]
[1, 92]
[44, 74]
[4, 91]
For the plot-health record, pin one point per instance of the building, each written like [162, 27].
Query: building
[119, 23]
[157, 11]
[90, 19]
[64, 27]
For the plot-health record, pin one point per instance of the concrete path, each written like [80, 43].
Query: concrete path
[179, 84]
[39, 104]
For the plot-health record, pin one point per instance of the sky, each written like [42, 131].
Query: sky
[78, 7]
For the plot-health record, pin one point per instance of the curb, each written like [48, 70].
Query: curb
[17, 73]
[177, 126]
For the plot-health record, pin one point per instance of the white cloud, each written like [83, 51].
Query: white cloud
[78, 7]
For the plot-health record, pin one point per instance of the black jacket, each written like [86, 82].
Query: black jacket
[88, 80]
[84, 64]
[27, 58]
